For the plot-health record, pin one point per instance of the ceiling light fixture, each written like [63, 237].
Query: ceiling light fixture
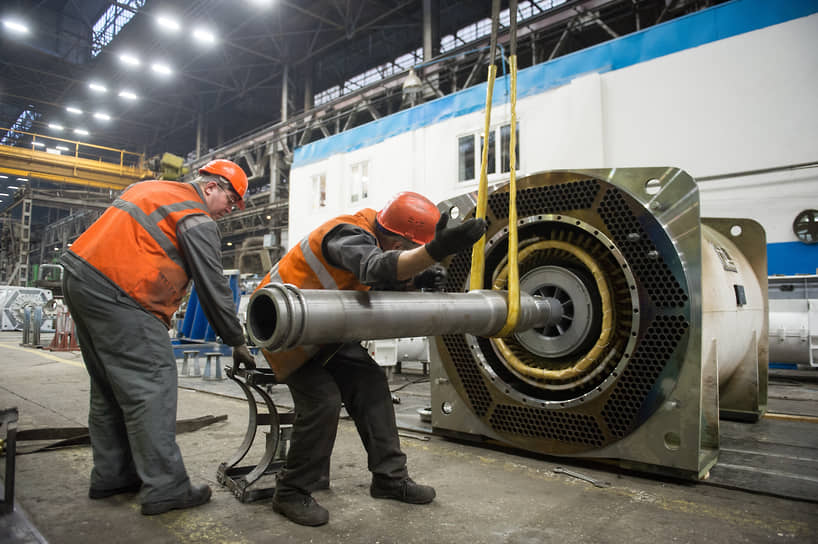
[81, 131]
[61, 148]
[160, 68]
[4, 177]
[98, 87]
[72, 109]
[129, 59]
[124, 93]
[4, 194]
[204, 35]
[22, 179]
[167, 22]
[38, 144]
[15, 26]
[13, 186]
[102, 116]
[55, 126]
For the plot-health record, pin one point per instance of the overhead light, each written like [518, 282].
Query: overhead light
[412, 84]
[167, 22]
[22, 179]
[102, 116]
[81, 131]
[61, 148]
[124, 93]
[98, 87]
[228, 243]
[4, 194]
[160, 68]
[204, 35]
[12, 186]
[15, 26]
[75, 111]
[55, 126]
[38, 144]
[129, 59]
[4, 177]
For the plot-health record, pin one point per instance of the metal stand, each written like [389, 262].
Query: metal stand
[241, 479]
[213, 367]
[190, 354]
[8, 426]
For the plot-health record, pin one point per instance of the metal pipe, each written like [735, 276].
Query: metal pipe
[281, 317]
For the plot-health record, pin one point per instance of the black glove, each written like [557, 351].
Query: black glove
[241, 354]
[433, 278]
[456, 239]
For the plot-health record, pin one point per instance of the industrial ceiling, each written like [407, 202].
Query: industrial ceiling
[234, 85]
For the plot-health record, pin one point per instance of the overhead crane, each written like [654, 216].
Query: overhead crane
[85, 164]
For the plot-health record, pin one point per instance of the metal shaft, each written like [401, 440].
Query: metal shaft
[281, 317]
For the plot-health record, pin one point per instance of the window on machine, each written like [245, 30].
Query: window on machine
[319, 191]
[465, 153]
[359, 182]
[469, 157]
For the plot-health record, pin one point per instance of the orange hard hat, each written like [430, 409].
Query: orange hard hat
[410, 215]
[230, 171]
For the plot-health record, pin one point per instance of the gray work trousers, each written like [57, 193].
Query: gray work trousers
[351, 377]
[132, 416]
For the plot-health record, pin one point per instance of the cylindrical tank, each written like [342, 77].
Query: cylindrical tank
[732, 302]
[794, 319]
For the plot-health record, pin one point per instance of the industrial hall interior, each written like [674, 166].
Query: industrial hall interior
[408, 271]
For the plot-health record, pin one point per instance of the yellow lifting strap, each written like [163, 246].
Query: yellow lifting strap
[513, 271]
[478, 251]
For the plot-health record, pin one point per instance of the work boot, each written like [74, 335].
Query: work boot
[195, 496]
[404, 490]
[301, 509]
[100, 493]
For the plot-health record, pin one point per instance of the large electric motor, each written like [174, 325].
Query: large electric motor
[639, 322]
[656, 313]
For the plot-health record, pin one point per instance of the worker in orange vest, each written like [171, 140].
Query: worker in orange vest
[124, 278]
[371, 249]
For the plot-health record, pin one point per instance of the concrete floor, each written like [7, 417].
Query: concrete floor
[483, 495]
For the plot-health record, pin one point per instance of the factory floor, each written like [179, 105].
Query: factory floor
[484, 495]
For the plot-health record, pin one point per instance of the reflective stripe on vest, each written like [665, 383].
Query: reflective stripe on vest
[150, 224]
[317, 268]
[304, 266]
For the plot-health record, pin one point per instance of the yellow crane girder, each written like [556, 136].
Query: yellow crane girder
[30, 163]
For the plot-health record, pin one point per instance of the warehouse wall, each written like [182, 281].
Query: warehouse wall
[678, 94]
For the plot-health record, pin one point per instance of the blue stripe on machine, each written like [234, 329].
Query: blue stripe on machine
[788, 258]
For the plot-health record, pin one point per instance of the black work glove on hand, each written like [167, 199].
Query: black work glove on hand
[241, 354]
[432, 279]
[456, 239]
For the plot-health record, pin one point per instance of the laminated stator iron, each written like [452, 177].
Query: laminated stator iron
[658, 323]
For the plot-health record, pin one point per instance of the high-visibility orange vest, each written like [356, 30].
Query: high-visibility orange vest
[134, 243]
[305, 266]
